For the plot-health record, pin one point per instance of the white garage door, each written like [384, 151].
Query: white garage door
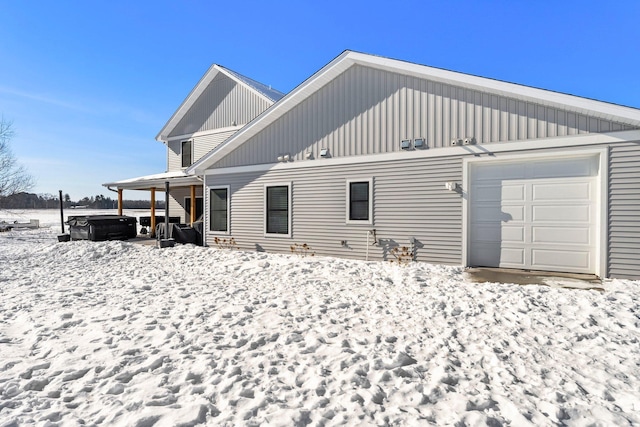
[537, 215]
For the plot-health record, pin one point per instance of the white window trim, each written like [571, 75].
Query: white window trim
[348, 202]
[210, 217]
[181, 152]
[264, 212]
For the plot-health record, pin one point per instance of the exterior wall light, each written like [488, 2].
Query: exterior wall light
[405, 144]
[419, 143]
[324, 152]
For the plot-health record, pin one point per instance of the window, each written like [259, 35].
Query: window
[359, 202]
[187, 209]
[277, 213]
[219, 209]
[186, 153]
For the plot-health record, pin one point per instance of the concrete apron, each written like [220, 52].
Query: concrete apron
[527, 277]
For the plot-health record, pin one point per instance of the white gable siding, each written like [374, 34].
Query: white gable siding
[369, 111]
[224, 103]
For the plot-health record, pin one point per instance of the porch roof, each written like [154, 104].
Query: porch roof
[156, 181]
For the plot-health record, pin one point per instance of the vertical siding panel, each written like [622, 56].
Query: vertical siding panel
[446, 121]
[432, 123]
[552, 125]
[495, 119]
[572, 124]
[583, 124]
[478, 115]
[563, 122]
[531, 113]
[522, 120]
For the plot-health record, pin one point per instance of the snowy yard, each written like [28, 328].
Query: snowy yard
[115, 333]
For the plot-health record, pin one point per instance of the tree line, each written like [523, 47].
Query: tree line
[23, 200]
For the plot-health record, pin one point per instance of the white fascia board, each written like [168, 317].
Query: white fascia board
[589, 107]
[463, 150]
[188, 102]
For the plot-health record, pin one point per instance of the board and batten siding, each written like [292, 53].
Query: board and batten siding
[369, 111]
[224, 103]
[409, 196]
[624, 210]
[202, 144]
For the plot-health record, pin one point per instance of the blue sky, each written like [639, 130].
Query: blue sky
[88, 84]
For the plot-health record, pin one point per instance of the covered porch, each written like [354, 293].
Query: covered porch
[172, 184]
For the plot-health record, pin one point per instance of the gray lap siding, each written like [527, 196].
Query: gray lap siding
[409, 201]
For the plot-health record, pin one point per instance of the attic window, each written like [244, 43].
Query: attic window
[187, 157]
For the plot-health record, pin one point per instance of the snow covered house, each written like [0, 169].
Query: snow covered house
[220, 104]
[371, 154]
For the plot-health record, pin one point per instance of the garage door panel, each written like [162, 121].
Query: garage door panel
[561, 235]
[561, 213]
[494, 233]
[561, 191]
[483, 233]
[511, 213]
[513, 234]
[542, 259]
[512, 256]
[487, 193]
[513, 192]
[489, 254]
[561, 168]
[499, 172]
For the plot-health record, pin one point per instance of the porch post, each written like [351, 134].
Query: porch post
[119, 201]
[153, 212]
[193, 205]
[166, 210]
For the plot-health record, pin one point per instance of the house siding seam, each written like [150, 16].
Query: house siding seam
[624, 210]
[223, 103]
[369, 111]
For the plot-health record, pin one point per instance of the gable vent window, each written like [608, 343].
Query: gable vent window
[187, 157]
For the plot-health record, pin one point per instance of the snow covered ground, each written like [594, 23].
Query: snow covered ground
[116, 333]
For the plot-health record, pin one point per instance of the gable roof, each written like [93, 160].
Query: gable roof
[347, 59]
[263, 91]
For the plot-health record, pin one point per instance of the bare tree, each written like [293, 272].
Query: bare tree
[13, 177]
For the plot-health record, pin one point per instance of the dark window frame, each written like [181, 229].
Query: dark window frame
[270, 227]
[212, 211]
